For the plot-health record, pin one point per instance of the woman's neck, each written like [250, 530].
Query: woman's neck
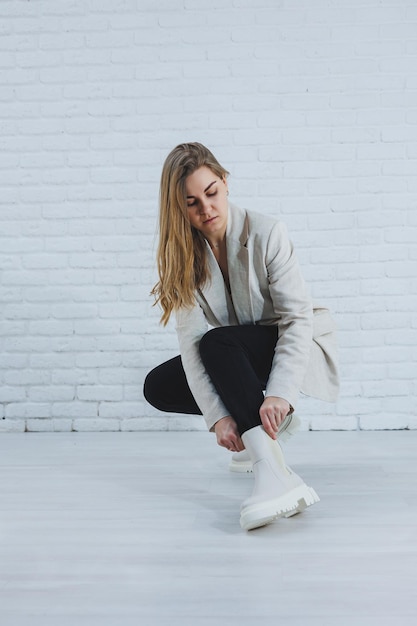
[216, 244]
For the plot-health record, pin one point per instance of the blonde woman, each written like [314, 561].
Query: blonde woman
[250, 339]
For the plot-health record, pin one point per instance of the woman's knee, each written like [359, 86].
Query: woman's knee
[213, 340]
[152, 388]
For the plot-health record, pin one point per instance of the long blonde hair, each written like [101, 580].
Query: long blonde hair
[181, 256]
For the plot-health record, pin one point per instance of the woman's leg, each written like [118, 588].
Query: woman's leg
[166, 389]
[238, 360]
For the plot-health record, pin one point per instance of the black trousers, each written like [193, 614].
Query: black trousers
[238, 361]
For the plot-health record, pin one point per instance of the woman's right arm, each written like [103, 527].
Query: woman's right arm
[191, 325]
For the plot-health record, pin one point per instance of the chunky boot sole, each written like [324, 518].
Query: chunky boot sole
[244, 467]
[287, 429]
[291, 503]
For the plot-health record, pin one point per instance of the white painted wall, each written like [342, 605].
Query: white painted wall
[311, 105]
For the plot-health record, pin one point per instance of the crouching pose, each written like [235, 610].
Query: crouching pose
[234, 271]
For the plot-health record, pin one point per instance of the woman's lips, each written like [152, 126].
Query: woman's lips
[210, 220]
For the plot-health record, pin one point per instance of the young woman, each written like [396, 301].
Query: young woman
[235, 271]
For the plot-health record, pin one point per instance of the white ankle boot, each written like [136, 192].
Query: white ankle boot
[278, 492]
[241, 461]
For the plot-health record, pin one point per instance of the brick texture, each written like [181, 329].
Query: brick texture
[312, 106]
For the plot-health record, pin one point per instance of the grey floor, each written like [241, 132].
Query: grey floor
[123, 529]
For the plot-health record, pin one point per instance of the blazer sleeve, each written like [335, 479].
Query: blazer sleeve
[191, 325]
[294, 313]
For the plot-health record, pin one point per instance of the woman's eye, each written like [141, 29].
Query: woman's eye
[209, 195]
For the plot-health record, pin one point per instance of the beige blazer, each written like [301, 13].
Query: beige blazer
[267, 288]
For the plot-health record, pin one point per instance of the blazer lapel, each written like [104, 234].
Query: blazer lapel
[214, 291]
[238, 263]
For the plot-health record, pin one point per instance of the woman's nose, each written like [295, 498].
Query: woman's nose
[204, 206]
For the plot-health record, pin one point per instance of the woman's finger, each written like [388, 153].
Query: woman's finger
[269, 429]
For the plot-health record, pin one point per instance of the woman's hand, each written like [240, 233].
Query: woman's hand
[272, 412]
[227, 434]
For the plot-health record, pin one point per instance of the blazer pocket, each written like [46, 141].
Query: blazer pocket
[323, 323]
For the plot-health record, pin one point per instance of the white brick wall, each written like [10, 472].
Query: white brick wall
[312, 106]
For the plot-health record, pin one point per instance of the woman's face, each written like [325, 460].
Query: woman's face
[207, 203]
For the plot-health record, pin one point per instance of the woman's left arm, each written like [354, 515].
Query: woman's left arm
[293, 311]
